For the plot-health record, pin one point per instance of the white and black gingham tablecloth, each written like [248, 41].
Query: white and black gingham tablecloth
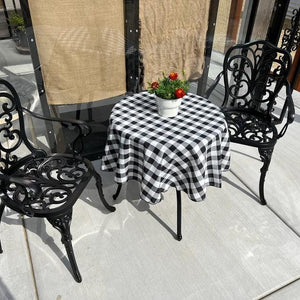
[188, 152]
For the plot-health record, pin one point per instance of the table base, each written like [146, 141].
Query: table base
[179, 210]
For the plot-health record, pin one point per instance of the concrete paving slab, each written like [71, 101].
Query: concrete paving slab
[16, 281]
[232, 248]
[23, 69]
[3, 75]
[289, 291]
[9, 54]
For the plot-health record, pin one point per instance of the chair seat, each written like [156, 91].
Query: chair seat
[249, 128]
[61, 179]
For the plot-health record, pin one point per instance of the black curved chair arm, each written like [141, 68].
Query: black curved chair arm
[289, 107]
[33, 189]
[83, 128]
[214, 84]
[290, 103]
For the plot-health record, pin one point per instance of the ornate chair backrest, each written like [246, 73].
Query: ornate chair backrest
[254, 73]
[13, 140]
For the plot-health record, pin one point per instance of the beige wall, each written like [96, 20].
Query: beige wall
[221, 25]
[261, 25]
[262, 20]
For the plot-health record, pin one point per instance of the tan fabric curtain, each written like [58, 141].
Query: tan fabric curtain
[173, 35]
[81, 49]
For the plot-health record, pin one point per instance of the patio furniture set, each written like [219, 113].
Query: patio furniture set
[187, 152]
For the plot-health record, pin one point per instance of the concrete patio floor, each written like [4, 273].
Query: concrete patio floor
[232, 247]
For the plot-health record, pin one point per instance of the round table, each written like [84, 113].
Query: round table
[188, 152]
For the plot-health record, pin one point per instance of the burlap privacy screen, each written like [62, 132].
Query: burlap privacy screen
[173, 35]
[81, 48]
[82, 51]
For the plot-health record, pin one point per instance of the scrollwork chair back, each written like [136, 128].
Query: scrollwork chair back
[254, 74]
[12, 136]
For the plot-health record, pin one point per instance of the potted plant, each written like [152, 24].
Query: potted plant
[169, 92]
[16, 21]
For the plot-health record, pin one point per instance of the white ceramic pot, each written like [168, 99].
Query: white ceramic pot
[168, 107]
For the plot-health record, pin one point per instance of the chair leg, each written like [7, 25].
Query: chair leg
[1, 212]
[265, 155]
[62, 223]
[179, 235]
[100, 191]
[116, 195]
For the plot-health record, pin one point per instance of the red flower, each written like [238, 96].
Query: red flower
[154, 85]
[179, 93]
[173, 76]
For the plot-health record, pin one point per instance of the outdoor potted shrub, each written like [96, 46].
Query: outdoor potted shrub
[169, 92]
[16, 21]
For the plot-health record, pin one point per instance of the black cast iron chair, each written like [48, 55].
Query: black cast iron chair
[37, 185]
[254, 74]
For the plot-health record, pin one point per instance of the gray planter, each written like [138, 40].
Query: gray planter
[21, 41]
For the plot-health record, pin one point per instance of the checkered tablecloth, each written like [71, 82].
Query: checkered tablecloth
[188, 152]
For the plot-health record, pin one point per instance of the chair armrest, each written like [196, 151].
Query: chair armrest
[83, 128]
[214, 84]
[290, 104]
[32, 190]
[34, 187]
[289, 107]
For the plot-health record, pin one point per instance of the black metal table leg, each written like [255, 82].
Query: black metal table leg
[179, 235]
[116, 195]
[100, 192]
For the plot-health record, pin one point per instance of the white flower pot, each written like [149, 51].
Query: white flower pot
[168, 107]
